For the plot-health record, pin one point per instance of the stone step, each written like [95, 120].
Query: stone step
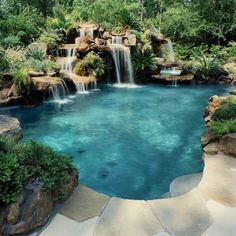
[84, 204]
[63, 226]
[184, 215]
[127, 218]
[184, 184]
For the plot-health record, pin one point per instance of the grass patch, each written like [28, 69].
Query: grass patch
[221, 128]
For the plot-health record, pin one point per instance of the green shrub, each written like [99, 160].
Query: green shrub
[11, 177]
[221, 128]
[35, 53]
[11, 41]
[92, 64]
[21, 79]
[144, 60]
[4, 64]
[23, 163]
[51, 38]
[227, 111]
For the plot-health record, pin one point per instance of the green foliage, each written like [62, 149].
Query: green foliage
[227, 111]
[11, 41]
[61, 19]
[221, 128]
[50, 38]
[11, 177]
[35, 53]
[181, 24]
[24, 26]
[21, 79]
[23, 163]
[92, 64]
[144, 61]
[4, 64]
[206, 66]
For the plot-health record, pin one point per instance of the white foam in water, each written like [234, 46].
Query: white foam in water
[125, 85]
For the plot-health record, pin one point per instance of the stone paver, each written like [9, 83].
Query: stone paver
[223, 220]
[84, 204]
[63, 226]
[184, 215]
[219, 179]
[184, 184]
[127, 218]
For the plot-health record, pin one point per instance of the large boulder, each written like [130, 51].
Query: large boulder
[228, 144]
[82, 44]
[10, 126]
[43, 83]
[32, 208]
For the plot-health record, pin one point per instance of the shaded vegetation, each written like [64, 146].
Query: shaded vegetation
[22, 163]
[224, 118]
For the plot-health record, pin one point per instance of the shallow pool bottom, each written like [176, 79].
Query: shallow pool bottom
[126, 142]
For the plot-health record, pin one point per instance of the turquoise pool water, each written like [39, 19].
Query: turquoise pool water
[129, 143]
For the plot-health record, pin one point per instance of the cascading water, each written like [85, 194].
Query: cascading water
[58, 91]
[66, 64]
[122, 60]
[84, 31]
[170, 51]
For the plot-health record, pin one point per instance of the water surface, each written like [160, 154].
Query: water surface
[129, 143]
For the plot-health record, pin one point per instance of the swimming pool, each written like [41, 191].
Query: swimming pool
[126, 142]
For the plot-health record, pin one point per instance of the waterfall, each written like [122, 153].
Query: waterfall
[84, 31]
[58, 91]
[170, 51]
[174, 83]
[122, 60]
[67, 62]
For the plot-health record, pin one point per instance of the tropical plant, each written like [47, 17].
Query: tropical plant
[144, 61]
[92, 64]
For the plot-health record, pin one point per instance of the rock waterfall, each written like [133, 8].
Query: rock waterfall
[122, 60]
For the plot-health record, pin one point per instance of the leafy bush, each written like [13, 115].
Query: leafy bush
[21, 79]
[11, 41]
[227, 111]
[35, 53]
[11, 177]
[92, 64]
[206, 66]
[4, 64]
[221, 128]
[144, 61]
[23, 163]
[16, 58]
[50, 38]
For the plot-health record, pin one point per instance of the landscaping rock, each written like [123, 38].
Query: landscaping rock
[10, 126]
[228, 144]
[211, 148]
[208, 137]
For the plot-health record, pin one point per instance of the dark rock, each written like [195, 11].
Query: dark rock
[228, 144]
[208, 137]
[10, 126]
[211, 148]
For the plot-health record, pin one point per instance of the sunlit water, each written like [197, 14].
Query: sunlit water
[126, 142]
